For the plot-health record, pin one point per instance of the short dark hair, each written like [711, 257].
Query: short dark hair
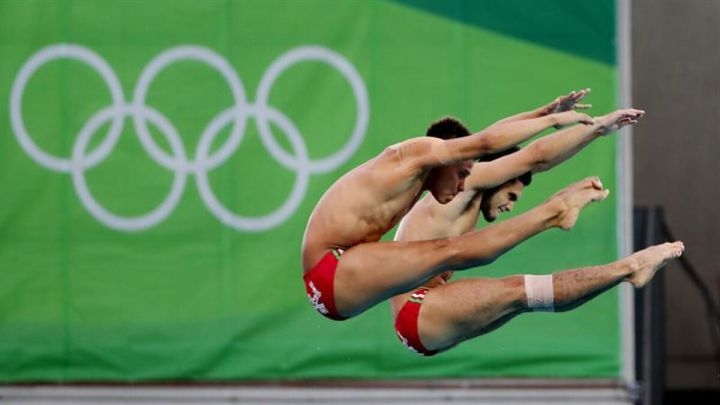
[447, 128]
[525, 178]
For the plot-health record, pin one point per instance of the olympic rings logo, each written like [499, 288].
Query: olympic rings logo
[177, 161]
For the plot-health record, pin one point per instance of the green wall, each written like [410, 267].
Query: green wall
[155, 191]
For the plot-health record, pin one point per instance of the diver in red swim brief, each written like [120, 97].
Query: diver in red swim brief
[319, 285]
[460, 310]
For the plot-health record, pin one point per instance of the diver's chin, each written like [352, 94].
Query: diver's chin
[440, 199]
[489, 217]
[444, 199]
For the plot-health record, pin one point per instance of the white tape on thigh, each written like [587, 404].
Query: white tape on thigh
[539, 292]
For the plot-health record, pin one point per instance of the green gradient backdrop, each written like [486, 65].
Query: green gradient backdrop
[194, 299]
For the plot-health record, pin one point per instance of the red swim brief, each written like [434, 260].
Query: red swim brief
[406, 324]
[319, 285]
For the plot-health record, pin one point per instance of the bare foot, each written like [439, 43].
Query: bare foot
[647, 261]
[575, 197]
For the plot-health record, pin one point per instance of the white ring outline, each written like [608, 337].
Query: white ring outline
[314, 53]
[278, 216]
[43, 56]
[198, 54]
[110, 219]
